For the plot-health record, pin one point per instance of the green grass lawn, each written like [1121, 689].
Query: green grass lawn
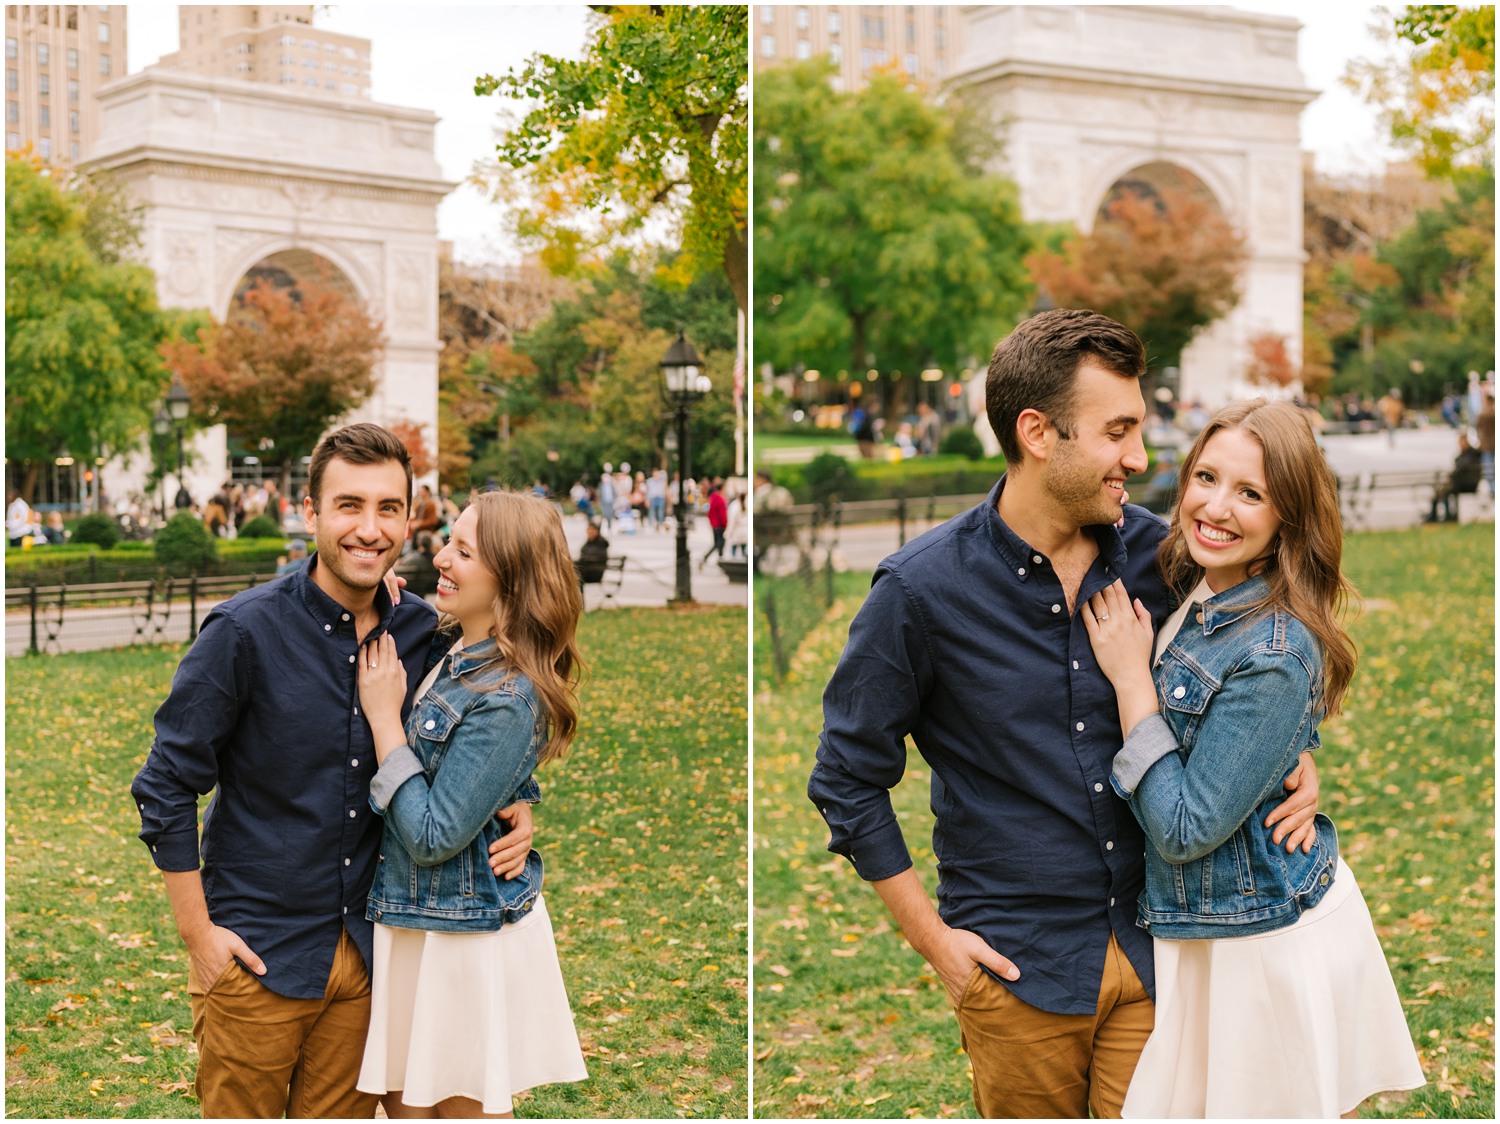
[643, 830]
[849, 1022]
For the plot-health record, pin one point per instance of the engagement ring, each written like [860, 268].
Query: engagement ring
[1102, 617]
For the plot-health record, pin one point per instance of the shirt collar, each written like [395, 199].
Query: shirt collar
[461, 661]
[326, 611]
[1020, 556]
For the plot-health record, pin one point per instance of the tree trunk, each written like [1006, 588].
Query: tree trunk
[737, 269]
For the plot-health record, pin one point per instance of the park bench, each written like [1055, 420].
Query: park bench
[735, 569]
[609, 579]
[1358, 494]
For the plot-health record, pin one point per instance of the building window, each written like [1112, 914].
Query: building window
[288, 79]
[45, 147]
[44, 84]
[835, 23]
[73, 151]
[12, 113]
[11, 82]
[246, 48]
[73, 122]
[44, 116]
[310, 63]
[309, 81]
[331, 66]
[12, 140]
[11, 50]
[347, 52]
[911, 35]
[872, 27]
[72, 17]
[104, 33]
[72, 91]
[104, 65]
[836, 52]
[43, 54]
[802, 20]
[245, 67]
[72, 58]
[310, 44]
[938, 39]
[910, 63]
[350, 88]
[804, 49]
[331, 48]
[767, 15]
[287, 41]
[767, 44]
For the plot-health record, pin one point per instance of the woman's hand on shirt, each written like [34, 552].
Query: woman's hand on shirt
[382, 690]
[1121, 634]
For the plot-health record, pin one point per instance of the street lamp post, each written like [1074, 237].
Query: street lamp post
[685, 384]
[179, 405]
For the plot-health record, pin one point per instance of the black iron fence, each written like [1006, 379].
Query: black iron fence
[56, 618]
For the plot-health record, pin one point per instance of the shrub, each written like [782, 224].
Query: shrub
[184, 545]
[829, 474]
[261, 527]
[962, 442]
[97, 528]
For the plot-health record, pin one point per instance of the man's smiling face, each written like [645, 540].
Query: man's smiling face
[359, 523]
[1085, 474]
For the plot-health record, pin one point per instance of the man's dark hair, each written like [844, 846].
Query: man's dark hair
[1036, 368]
[361, 443]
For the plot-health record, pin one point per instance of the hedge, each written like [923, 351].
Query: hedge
[130, 561]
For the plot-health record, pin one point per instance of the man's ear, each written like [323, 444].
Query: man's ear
[309, 515]
[1035, 434]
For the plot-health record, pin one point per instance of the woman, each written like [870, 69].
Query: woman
[468, 1003]
[1272, 995]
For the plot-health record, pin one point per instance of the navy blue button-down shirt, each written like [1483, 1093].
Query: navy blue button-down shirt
[966, 644]
[264, 709]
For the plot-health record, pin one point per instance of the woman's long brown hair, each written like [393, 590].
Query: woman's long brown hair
[538, 603]
[1302, 570]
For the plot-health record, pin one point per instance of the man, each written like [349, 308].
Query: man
[607, 495]
[593, 555]
[969, 642]
[264, 709]
[426, 516]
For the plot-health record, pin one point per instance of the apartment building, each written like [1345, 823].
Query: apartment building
[919, 39]
[56, 58]
[275, 44]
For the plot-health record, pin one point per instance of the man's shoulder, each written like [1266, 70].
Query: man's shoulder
[933, 552]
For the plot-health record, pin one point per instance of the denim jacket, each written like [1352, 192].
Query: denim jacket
[472, 742]
[1240, 698]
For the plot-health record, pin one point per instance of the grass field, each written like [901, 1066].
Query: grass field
[643, 830]
[849, 1022]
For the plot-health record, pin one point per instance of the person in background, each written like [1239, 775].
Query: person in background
[718, 521]
[593, 555]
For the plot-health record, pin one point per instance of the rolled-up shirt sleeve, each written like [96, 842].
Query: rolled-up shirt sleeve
[193, 726]
[870, 705]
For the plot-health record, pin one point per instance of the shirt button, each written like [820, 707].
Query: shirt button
[1178, 692]
[328, 628]
[351, 659]
[1109, 845]
[1111, 901]
[355, 763]
[1055, 609]
[344, 617]
[351, 813]
[1098, 787]
[346, 909]
[346, 862]
[1037, 558]
[1079, 727]
[1075, 665]
[1021, 570]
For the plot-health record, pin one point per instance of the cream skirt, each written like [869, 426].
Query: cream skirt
[1299, 1022]
[477, 1015]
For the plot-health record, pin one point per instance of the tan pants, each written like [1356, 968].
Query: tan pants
[1032, 1063]
[264, 1056]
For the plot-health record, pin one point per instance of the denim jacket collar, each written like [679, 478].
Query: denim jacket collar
[1234, 603]
[1018, 553]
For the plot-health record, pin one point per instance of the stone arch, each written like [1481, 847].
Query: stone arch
[299, 261]
[1155, 174]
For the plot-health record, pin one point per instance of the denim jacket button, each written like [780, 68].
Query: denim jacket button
[1324, 880]
[1179, 692]
[430, 724]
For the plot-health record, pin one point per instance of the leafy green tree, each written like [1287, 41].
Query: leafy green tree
[1436, 90]
[650, 124]
[82, 324]
[880, 238]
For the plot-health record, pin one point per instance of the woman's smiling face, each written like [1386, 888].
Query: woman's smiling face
[1228, 519]
[466, 588]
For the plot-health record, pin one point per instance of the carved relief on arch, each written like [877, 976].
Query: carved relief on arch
[414, 291]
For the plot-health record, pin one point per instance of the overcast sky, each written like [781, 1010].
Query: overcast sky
[443, 48]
